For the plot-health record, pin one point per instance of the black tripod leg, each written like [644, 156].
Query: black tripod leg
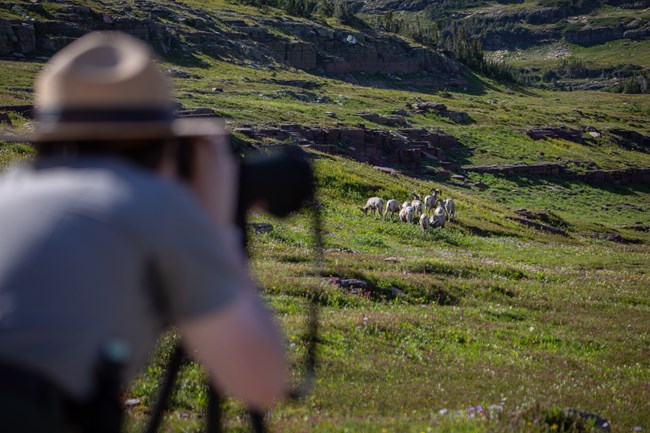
[214, 411]
[165, 389]
[257, 422]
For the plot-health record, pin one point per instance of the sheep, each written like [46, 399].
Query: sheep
[392, 206]
[406, 204]
[450, 209]
[417, 207]
[373, 204]
[438, 218]
[406, 214]
[424, 222]
[416, 204]
[430, 200]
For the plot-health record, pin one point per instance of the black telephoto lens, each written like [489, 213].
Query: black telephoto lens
[281, 182]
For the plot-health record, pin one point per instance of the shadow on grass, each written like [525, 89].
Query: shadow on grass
[624, 190]
[189, 60]
[486, 233]
[390, 289]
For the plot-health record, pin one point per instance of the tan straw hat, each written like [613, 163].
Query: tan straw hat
[106, 86]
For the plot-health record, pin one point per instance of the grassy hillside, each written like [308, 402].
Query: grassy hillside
[485, 325]
[481, 313]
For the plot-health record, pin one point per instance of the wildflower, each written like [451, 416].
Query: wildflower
[442, 411]
[637, 428]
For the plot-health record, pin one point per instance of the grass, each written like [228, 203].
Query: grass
[511, 319]
[485, 312]
[613, 53]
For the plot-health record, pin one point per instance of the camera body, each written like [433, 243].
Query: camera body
[281, 182]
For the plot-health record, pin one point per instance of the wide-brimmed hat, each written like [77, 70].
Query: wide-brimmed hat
[106, 86]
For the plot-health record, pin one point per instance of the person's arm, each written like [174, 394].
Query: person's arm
[240, 345]
[242, 351]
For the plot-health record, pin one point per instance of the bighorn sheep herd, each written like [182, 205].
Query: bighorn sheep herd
[415, 210]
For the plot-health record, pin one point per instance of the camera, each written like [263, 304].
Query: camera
[282, 182]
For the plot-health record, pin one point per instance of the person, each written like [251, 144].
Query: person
[104, 244]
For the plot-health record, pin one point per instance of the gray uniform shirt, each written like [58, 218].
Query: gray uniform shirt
[95, 251]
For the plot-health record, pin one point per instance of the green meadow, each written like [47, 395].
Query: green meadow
[482, 326]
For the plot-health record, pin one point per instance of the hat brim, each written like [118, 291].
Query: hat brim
[179, 128]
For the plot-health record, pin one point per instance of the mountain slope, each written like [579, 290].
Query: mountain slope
[545, 38]
[497, 322]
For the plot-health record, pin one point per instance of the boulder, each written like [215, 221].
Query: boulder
[561, 132]
[4, 119]
[260, 228]
[429, 106]
[457, 116]
[387, 170]
[538, 226]
[630, 136]
[481, 186]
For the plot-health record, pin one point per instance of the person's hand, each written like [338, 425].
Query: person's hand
[215, 178]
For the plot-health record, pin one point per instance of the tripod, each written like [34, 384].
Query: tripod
[214, 415]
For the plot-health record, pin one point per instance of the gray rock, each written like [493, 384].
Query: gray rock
[352, 283]
[260, 228]
[4, 119]
[481, 186]
[429, 106]
[179, 73]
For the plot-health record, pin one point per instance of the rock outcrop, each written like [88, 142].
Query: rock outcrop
[560, 132]
[593, 177]
[16, 37]
[594, 35]
[181, 28]
[632, 139]
[405, 148]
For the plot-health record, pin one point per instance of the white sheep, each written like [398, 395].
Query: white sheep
[438, 218]
[406, 214]
[416, 204]
[430, 200]
[450, 209]
[392, 206]
[424, 222]
[406, 204]
[373, 204]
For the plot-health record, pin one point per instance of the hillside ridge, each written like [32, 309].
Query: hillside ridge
[178, 30]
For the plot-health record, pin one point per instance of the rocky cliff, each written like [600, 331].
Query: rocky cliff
[501, 27]
[173, 28]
